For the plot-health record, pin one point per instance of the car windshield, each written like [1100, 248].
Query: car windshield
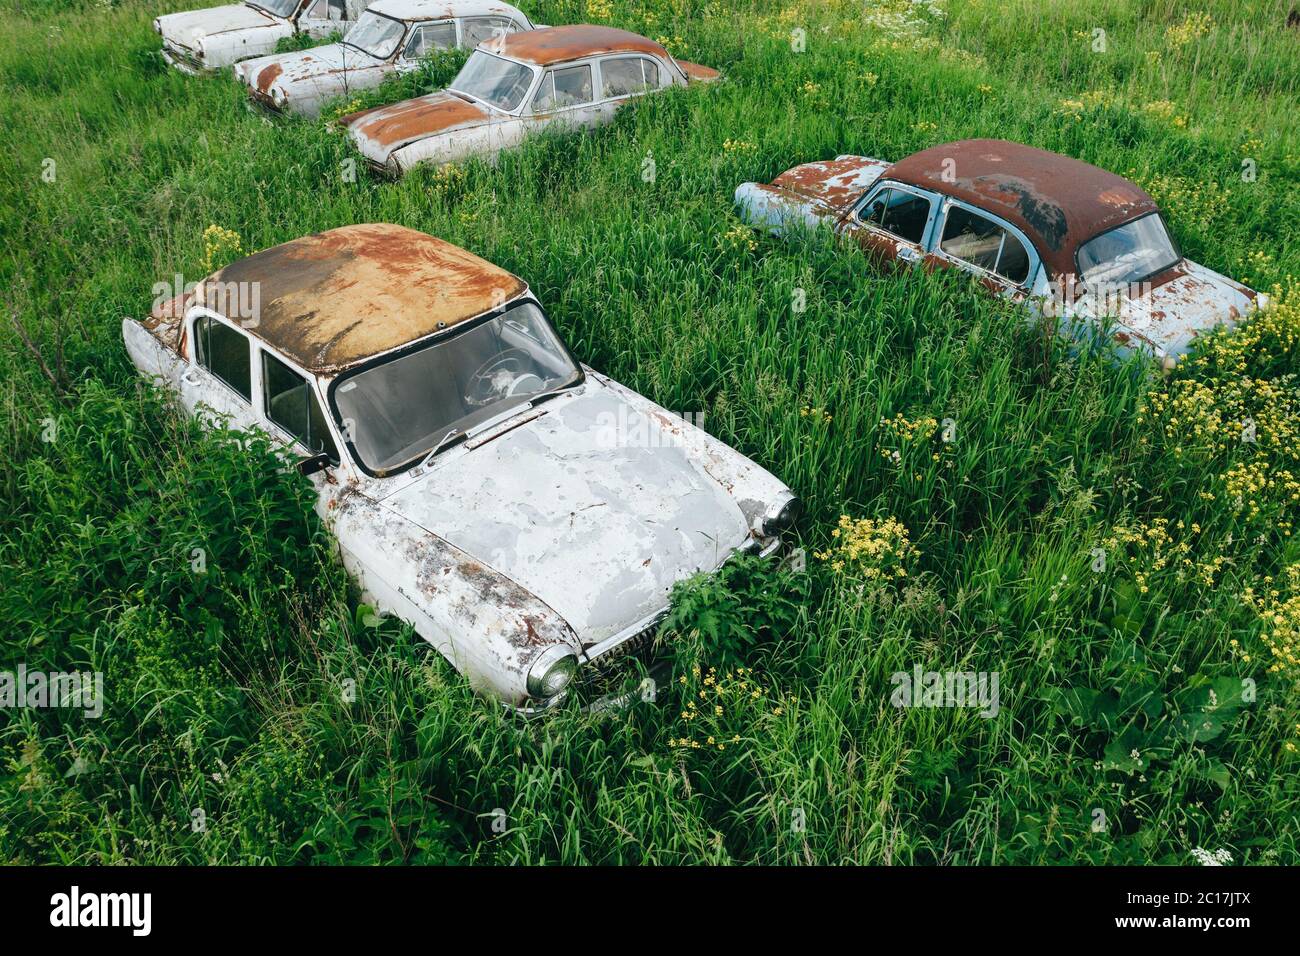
[1127, 254]
[496, 81]
[375, 34]
[281, 8]
[397, 412]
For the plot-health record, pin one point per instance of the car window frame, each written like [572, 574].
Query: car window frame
[206, 313]
[936, 240]
[1169, 234]
[600, 72]
[588, 62]
[524, 106]
[935, 200]
[264, 405]
[420, 25]
[461, 28]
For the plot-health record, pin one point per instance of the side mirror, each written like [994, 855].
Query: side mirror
[309, 466]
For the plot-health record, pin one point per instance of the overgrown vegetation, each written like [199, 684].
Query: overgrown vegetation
[1105, 540]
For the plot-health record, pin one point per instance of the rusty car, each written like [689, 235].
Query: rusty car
[1068, 240]
[205, 41]
[527, 515]
[390, 37]
[569, 76]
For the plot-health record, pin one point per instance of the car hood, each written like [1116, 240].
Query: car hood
[378, 132]
[589, 504]
[181, 27]
[1168, 318]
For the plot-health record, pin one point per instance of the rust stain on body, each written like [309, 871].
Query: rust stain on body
[408, 120]
[268, 76]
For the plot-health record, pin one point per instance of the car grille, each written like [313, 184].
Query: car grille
[638, 645]
[184, 54]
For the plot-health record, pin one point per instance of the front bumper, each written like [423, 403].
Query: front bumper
[600, 660]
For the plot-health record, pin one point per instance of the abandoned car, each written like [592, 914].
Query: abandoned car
[391, 36]
[573, 76]
[202, 41]
[526, 514]
[1066, 238]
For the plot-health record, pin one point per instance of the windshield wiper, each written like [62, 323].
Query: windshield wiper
[447, 440]
[547, 396]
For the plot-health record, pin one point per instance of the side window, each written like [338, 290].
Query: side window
[292, 405]
[428, 37]
[569, 86]
[479, 29]
[328, 10]
[900, 213]
[225, 353]
[984, 244]
[625, 76]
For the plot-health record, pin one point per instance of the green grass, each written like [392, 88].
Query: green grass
[227, 734]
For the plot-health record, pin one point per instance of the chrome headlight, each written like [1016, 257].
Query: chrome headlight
[278, 96]
[782, 514]
[157, 27]
[552, 671]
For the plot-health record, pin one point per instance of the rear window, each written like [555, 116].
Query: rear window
[1129, 253]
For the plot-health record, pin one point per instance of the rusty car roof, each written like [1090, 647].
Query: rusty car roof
[333, 299]
[1059, 202]
[438, 9]
[557, 44]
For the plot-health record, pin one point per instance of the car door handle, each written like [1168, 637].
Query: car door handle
[189, 376]
[909, 255]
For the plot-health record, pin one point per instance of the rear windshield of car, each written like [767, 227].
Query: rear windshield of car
[1129, 253]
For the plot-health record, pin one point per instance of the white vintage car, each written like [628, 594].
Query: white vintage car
[391, 36]
[203, 41]
[573, 75]
[527, 515]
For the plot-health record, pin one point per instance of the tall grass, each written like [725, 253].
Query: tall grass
[256, 714]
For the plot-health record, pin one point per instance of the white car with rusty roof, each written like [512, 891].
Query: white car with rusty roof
[390, 37]
[527, 515]
[204, 41]
[575, 76]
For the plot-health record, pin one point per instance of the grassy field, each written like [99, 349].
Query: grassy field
[1149, 704]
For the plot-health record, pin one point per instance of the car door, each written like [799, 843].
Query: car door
[621, 79]
[892, 224]
[291, 414]
[990, 248]
[566, 96]
[423, 41]
[218, 381]
[320, 18]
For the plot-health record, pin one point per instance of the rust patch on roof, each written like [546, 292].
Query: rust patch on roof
[557, 44]
[336, 298]
[399, 123]
[1059, 202]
